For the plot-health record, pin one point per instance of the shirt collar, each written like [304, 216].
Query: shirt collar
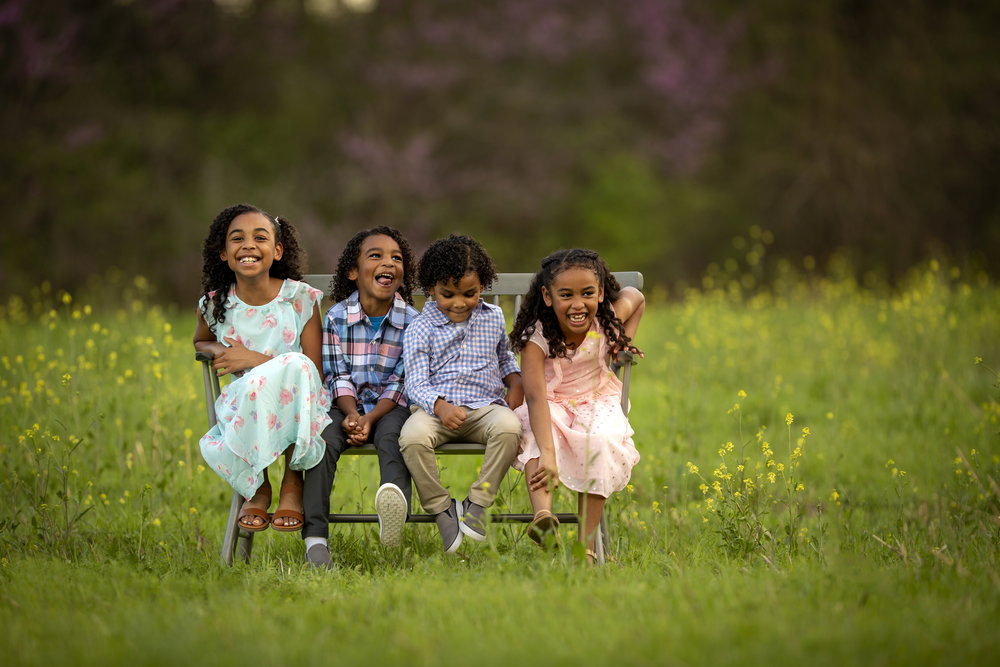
[396, 314]
[439, 319]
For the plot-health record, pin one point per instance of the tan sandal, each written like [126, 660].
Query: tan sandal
[543, 524]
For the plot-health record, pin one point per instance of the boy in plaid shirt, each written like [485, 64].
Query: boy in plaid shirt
[458, 365]
[363, 368]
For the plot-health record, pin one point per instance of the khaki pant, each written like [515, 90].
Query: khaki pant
[496, 426]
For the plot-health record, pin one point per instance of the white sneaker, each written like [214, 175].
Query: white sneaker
[390, 505]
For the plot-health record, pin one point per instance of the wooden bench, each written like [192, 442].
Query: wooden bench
[508, 287]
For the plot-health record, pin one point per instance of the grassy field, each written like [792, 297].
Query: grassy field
[818, 483]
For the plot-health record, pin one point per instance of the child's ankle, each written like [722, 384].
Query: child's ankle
[311, 541]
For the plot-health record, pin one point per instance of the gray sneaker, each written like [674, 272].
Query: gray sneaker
[448, 523]
[390, 505]
[473, 522]
[318, 557]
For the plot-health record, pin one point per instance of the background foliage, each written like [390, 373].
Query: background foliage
[653, 130]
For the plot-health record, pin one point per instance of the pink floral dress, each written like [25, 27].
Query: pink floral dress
[281, 402]
[592, 436]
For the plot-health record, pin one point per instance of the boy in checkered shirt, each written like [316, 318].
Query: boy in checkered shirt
[462, 380]
[363, 368]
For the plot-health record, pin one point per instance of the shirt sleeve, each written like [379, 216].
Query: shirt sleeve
[336, 372]
[395, 383]
[303, 298]
[538, 338]
[416, 360]
[508, 360]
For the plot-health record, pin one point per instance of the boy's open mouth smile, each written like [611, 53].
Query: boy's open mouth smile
[385, 279]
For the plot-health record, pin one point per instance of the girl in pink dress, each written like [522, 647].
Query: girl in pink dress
[574, 317]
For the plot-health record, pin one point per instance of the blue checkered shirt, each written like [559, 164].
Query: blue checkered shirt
[359, 360]
[464, 365]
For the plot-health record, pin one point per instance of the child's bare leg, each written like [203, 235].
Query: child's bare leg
[545, 524]
[289, 513]
[541, 499]
[590, 507]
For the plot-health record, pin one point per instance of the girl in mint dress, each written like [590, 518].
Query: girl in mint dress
[262, 326]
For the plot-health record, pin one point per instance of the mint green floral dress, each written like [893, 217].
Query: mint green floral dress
[281, 402]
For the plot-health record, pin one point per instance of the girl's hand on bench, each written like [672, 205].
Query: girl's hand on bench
[627, 353]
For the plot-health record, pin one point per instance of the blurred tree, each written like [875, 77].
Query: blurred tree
[501, 117]
[878, 135]
[653, 130]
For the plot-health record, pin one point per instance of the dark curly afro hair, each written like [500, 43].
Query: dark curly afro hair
[216, 276]
[448, 260]
[342, 287]
[533, 309]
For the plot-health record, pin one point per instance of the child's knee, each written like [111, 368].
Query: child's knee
[416, 432]
[505, 425]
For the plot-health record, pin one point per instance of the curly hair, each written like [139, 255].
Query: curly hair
[448, 260]
[342, 287]
[216, 276]
[534, 310]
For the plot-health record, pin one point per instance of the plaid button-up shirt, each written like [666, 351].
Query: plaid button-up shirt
[361, 362]
[465, 365]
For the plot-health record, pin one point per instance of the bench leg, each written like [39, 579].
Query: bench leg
[601, 539]
[244, 545]
[235, 540]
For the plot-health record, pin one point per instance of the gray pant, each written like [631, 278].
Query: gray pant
[496, 426]
[319, 479]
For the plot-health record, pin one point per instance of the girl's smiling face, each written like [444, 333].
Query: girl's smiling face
[574, 295]
[251, 247]
[378, 273]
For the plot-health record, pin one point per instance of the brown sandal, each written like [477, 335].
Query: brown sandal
[545, 523]
[285, 513]
[249, 513]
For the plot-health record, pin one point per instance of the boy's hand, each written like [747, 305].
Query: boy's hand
[515, 395]
[452, 416]
[515, 390]
[350, 423]
[362, 429]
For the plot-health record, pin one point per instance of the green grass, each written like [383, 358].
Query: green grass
[886, 553]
